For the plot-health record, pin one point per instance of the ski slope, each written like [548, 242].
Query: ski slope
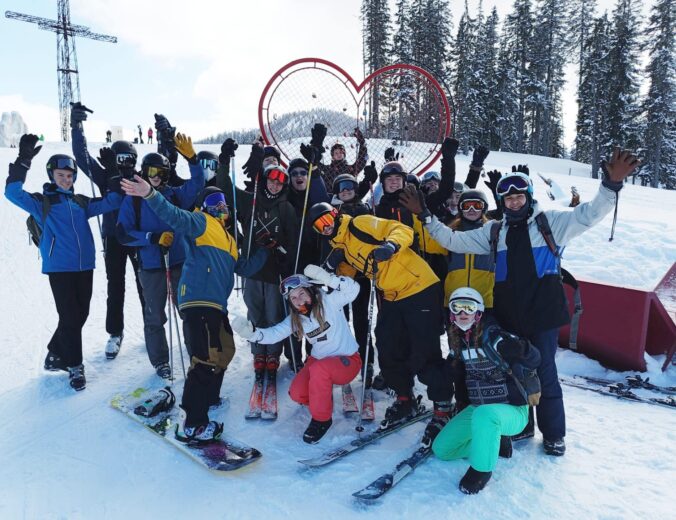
[68, 455]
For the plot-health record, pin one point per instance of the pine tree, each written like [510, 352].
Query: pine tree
[660, 103]
[491, 103]
[581, 20]
[375, 15]
[464, 86]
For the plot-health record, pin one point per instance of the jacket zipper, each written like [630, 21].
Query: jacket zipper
[72, 222]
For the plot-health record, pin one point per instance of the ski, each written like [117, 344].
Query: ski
[219, 455]
[256, 398]
[349, 401]
[368, 413]
[621, 391]
[365, 440]
[269, 399]
[634, 382]
[387, 481]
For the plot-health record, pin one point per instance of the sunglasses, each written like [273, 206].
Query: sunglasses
[510, 183]
[346, 185]
[474, 204]
[466, 306]
[326, 220]
[154, 171]
[209, 164]
[293, 282]
[127, 160]
[278, 175]
[298, 172]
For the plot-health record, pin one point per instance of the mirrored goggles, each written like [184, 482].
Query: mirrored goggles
[209, 164]
[298, 172]
[65, 163]
[466, 306]
[126, 160]
[511, 183]
[346, 185]
[214, 200]
[278, 175]
[475, 204]
[154, 171]
[326, 220]
[293, 282]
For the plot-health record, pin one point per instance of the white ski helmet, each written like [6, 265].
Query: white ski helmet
[468, 300]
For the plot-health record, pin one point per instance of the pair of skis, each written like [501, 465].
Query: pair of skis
[263, 398]
[350, 403]
[624, 391]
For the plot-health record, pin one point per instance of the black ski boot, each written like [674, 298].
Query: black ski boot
[474, 481]
[379, 382]
[442, 414]
[53, 363]
[555, 447]
[401, 409]
[316, 430]
[159, 402]
[368, 383]
[529, 429]
[505, 447]
[77, 377]
[163, 370]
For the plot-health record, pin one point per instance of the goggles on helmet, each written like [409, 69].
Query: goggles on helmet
[458, 187]
[209, 164]
[298, 172]
[278, 175]
[346, 185]
[512, 183]
[293, 282]
[431, 176]
[326, 220]
[476, 204]
[155, 171]
[466, 306]
[65, 163]
[126, 160]
[214, 204]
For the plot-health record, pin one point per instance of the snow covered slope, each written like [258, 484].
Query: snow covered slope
[67, 455]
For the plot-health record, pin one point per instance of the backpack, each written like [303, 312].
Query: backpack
[34, 228]
[566, 277]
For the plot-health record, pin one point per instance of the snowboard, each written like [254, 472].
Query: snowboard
[221, 455]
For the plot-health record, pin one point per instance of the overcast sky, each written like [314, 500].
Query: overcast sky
[203, 63]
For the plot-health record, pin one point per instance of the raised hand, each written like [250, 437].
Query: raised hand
[28, 150]
[184, 146]
[449, 148]
[479, 156]
[413, 200]
[621, 165]
[136, 188]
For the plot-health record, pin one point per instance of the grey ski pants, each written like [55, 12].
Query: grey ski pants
[265, 308]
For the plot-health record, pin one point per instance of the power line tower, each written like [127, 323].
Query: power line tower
[66, 65]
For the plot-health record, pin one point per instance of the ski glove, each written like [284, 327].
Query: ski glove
[266, 240]
[413, 200]
[359, 136]
[521, 168]
[316, 273]
[479, 156]
[244, 328]
[318, 134]
[108, 161]
[162, 123]
[370, 173]
[253, 166]
[227, 150]
[78, 114]
[390, 155]
[385, 251]
[512, 348]
[185, 148]
[621, 164]
[449, 148]
[312, 154]
[164, 239]
[27, 150]
[336, 256]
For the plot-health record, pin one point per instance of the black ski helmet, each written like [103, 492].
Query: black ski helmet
[343, 177]
[125, 147]
[206, 154]
[474, 195]
[393, 168]
[271, 151]
[199, 201]
[61, 162]
[412, 178]
[298, 163]
[209, 163]
[155, 160]
[319, 209]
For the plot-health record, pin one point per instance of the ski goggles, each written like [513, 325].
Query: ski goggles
[458, 187]
[512, 183]
[293, 282]
[65, 163]
[209, 164]
[279, 176]
[431, 176]
[155, 171]
[215, 205]
[126, 160]
[326, 220]
[466, 306]
[346, 185]
[475, 204]
[298, 172]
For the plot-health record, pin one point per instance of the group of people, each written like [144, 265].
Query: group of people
[313, 244]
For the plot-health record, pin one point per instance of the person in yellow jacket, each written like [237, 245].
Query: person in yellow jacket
[410, 318]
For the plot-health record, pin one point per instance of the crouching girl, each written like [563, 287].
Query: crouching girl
[499, 370]
[319, 317]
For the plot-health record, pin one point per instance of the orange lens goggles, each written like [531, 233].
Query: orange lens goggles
[324, 221]
[472, 204]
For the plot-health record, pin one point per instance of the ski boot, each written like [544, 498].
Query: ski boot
[529, 429]
[555, 447]
[368, 382]
[379, 382]
[113, 346]
[259, 364]
[208, 432]
[77, 377]
[442, 414]
[505, 447]
[159, 402]
[474, 481]
[403, 408]
[163, 370]
[53, 363]
[316, 430]
[271, 366]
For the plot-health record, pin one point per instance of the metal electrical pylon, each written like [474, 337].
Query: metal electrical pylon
[66, 66]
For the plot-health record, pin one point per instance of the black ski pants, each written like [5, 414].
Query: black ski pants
[72, 294]
[212, 348]
[407, 337]
[360, 317]
[116, 264]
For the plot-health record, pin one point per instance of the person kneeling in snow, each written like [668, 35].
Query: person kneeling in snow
[206, 282]
[501, 378]
[319, 317]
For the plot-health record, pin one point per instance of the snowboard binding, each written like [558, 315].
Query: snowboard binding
[161, 401]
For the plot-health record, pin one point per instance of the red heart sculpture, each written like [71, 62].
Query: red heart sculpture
[400, 106]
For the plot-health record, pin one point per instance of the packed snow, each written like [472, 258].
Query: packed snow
[68, 455]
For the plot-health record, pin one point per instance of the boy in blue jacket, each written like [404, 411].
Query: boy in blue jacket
[138, 226]
[66, 247]
[206, 282]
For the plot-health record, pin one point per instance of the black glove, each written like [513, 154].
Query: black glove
[162, 123]
[27, 150]
[227, 150]
[108, 160]
[512, 348]
[521, 168]
[318, 134]
[370, 172]
[312, 154]
[359, 136]
[384, 252]
[336, 256]
[494, 177]
[266, 240]
[449, 148]
[390, 155]
[254, 164]
[78, 113]
[479, 156]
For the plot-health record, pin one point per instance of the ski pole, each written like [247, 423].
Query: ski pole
[286, 313]
[374, 268]
[234, 210]
[253, 216]
[302, 220]
[172, 312]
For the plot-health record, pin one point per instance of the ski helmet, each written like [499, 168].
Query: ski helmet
[459, 187]
[276, 173]
[474, 195]
[514, 183]
[296, 164]
[209, 163]
[125, 154]
[468, 300]
[392, 168]
[344, 181]
[411, 178]
[321, 215]
[211, 200]
[431, 176]
[271, 151]
[154, 164]
[61, 162]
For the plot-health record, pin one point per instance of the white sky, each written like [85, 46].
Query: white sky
[202, 63]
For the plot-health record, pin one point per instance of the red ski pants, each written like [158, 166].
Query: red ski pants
[313, 385]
